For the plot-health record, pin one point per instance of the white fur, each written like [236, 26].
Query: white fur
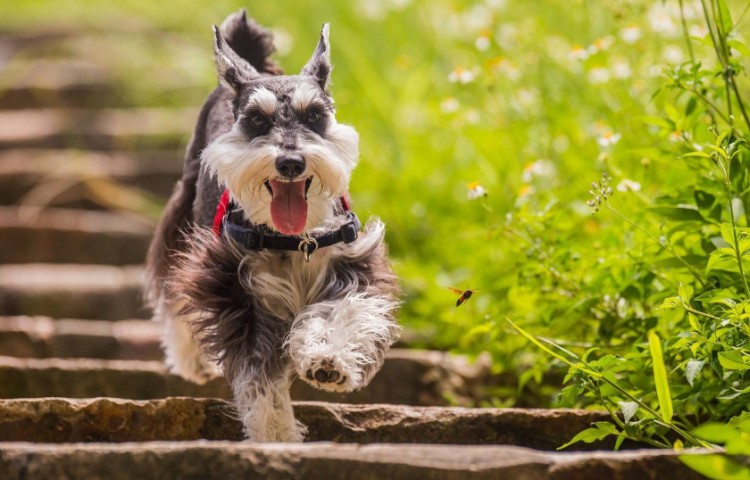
[264, 99]
[265, 407]
[284, 289]
[183, 355]
[352, 333]
[243, 166]
[304, 96]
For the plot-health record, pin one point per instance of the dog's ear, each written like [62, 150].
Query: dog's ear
[234, 71]
[319, 66]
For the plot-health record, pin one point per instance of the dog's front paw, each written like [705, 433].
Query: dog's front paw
[331, 374]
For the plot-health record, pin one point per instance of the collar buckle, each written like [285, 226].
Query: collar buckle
[307, 246]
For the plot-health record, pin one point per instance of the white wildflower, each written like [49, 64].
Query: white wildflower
[601, 44]
[698, 31]
[621, 68]
[672, 54]
[599, 75]
[482, 43]
[463, 75]
[631, 34]
[663, 19]
[627, 185]
[540, 168]
[608, 138]
[578, 53]
[475, 190]
[473, 117]
[449, 105]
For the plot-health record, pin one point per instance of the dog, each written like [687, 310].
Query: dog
[258, 269]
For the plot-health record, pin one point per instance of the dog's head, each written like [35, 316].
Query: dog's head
[286, 160]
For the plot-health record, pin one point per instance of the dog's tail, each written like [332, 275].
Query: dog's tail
[251, 42]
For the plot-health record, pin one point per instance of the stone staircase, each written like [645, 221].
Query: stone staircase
[83, 391]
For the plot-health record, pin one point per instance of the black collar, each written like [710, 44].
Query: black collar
[259, 237]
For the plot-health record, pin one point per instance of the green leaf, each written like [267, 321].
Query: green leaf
[695, 154]
[598, 432]
[733, 360]
[723, 260]
[727, 233]
[660, 377]
[715, 432]
[685, 292]
[682, 213]
[716, 466]
[724, 18]
[671, 302]
[657, 121]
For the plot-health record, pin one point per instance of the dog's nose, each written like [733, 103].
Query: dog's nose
[290, 166]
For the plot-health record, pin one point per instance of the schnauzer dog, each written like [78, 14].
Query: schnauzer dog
[259, 269]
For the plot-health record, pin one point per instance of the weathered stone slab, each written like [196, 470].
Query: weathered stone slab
[72, 236]
[223, 460]
[44, 337]
[133, 379]
[96, 129]
[69, 172]
[43, 88]
[178, 419]
[408, 377]
[415, 377]
[71, 291]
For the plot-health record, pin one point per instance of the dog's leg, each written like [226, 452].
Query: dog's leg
[339, 345]
[183, 354]
[260, 377]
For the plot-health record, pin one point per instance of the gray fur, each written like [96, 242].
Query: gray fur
[265, 316]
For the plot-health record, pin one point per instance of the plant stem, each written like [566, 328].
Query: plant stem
[667, 247]
[703, 314]
[736, 243]
[686, 32]
[710, 104]
[740, 103]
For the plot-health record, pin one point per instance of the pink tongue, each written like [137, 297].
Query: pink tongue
[288, 207]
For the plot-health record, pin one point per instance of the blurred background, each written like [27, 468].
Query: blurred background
[482, 124]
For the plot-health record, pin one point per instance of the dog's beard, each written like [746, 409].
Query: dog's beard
[248, 170]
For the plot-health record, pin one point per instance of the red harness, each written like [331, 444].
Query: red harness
[221, 210]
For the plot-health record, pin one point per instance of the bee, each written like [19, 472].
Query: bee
[463, 295]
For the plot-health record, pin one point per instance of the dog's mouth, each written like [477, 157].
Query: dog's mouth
[289, 205]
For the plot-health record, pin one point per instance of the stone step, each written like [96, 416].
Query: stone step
[224, 460]
[56, 420]
[52, 235]
[66, 177]
[97, 129]
[39, 84]
[71, 291]
[409, 377]
[43, 337]
[49, 82]
[12, 41]
[132, 379]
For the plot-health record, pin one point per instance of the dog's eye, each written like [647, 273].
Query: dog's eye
[258, 119]
[313, 117]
